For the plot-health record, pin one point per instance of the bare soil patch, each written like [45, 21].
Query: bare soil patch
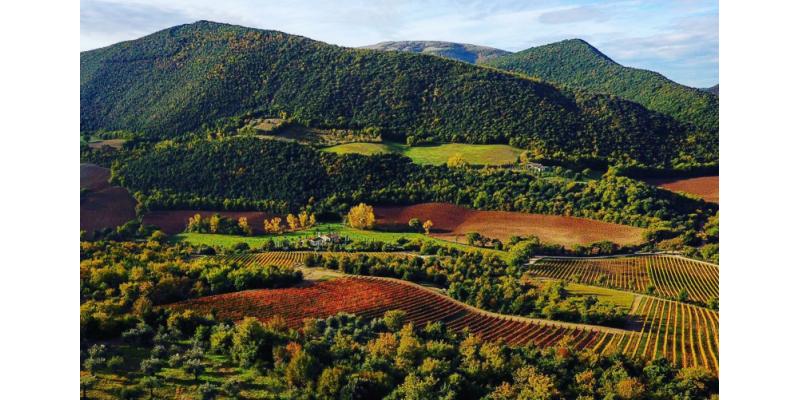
[452, 222]
[106, 208]
[706, 187]
[94, 177]
[115, 143]
[174, 221]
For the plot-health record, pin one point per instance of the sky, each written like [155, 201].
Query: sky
[677, 38]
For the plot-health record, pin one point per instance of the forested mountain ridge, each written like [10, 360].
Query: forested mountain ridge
[576, 63]
[191, 77]
[457, 51]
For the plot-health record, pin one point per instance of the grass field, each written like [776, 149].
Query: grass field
[479, 154]
[343, 230]
[616, 297]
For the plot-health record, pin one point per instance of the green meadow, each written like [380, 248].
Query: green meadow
[478, 154]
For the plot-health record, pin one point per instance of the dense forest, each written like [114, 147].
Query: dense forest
[575, 63]
[191, 78]
[247, 172]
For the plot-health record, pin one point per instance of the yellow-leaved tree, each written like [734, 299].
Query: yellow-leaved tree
[273, 225]
[361, 217]
[292, 221]
[213, 223]
[303, 219]
[427, 225]
[244, 226]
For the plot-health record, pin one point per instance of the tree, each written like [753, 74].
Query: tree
[87, 382]
[195, 367]
[651, 289]
[150, 366]
[303, 219]
[330, 383]
[473, 237]
[208, 391]
[456, 161]
[683, 295]
[299, 371]
[213, 223]
[415, 224]
[312, 220]
[713, 303]
[151, 383]
[244, 226]
[195, 223]
[292, 221]
[427, 226]
[361, 217]
[232, 386]
[394, 319]
[273, 225]
[114, 362]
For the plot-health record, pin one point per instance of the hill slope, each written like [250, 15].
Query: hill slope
[192, 77]
[457, 51]
[576, 63]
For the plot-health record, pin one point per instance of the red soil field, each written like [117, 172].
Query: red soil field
[106, 208]
[707, 187]
[452, 222]
[174, 221]
[103, 206]
[94, 177]
[372, 297]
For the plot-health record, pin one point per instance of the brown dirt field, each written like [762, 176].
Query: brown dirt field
[706, 187]
[94, 177]
[115, 143]
[174, 221]
[106, 208]
[452, 222]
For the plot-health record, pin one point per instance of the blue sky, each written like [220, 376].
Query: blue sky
[678, 38]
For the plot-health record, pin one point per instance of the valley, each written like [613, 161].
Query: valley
[264, 215]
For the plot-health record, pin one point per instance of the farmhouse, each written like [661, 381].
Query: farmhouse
[325, 239]
[535, 167]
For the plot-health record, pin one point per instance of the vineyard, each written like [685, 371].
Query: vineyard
[292, 258]
[667, 274]
[685, 334]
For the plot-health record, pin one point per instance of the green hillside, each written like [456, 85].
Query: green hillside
[197, 76]
[457, 51]
[577, 64]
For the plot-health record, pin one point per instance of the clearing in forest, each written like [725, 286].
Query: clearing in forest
[705, 187]
[103, 205]
[477, 154]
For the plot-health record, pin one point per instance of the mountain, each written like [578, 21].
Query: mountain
[714, 89]
[200, 76]
[577, 64]
[457, 51]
